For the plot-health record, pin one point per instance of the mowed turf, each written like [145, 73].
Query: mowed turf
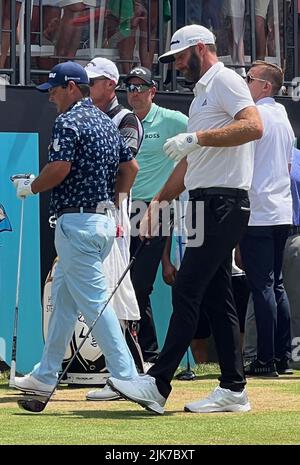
[69, 419]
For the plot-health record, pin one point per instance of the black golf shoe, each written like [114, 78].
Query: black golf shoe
[283, 366]
[256, 368]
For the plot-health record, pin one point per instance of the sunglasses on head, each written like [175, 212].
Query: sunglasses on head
[137, 87]
[100, 78]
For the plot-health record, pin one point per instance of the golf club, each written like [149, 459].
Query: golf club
[36, 405]
[16, 318]
[187, 374]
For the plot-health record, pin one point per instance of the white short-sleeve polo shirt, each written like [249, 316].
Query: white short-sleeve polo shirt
[219, 95]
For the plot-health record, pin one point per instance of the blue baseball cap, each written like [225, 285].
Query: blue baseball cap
[62, 73]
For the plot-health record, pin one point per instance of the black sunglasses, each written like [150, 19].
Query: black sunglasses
[137, 87]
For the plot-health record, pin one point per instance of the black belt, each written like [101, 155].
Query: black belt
[294, 230]
[81, 210]
[211, 191]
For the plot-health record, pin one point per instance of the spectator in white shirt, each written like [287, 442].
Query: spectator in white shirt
[269, 224]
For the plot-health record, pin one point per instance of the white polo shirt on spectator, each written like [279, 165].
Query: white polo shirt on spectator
[219, 95]
[270, 193]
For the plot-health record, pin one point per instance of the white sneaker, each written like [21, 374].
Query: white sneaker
[221, 400]
[141, 390]
[103, 394]
[31, 385]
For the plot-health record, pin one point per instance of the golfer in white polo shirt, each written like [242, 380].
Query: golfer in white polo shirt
[215, 164]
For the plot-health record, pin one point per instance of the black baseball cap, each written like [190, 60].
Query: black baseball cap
[142, 73]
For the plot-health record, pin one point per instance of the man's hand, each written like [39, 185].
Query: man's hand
[168, 272]
[149, 225]
[23, 185]
[179, 146]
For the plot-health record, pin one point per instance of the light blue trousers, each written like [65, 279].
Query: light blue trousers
[82, 241]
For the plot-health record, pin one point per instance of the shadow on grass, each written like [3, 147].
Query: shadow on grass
[4, 387]
[102, 414]
[5, 400]
[211, 376]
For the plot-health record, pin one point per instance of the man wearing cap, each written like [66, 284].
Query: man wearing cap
[104, 78]
[154, 169]
[215, 164]
[85, 152]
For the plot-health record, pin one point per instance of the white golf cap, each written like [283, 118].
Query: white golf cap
[102, 67]
[186, 37]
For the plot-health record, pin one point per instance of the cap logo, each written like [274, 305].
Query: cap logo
[194, 40]
[175, 42]
[52, 75]
[72, 78]
[138, 71]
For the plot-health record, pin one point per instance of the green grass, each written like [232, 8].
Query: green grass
[69, 419]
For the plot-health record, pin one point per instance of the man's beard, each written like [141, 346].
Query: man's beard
[193, 70]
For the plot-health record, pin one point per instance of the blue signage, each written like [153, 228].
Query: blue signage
[20, 154]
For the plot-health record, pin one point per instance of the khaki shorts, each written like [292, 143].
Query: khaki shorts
[261, 8]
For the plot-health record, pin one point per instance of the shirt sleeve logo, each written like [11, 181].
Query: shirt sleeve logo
[56, 145]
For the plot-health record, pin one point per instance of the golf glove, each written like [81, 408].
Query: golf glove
[23, 186]
[179, 146]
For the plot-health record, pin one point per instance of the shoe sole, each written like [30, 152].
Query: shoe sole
[228, 408]
[103, 400]
[151, 406]
[33, 392]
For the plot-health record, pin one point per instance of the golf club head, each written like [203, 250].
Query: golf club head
[186, 375]
[32, 405]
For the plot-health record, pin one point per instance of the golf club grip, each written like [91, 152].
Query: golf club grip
[12, 373]
[138, 250]
[20, 176]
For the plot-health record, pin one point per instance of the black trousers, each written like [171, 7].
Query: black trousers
[241, 293]
[143, 275]
[262, 250]
[207, 269]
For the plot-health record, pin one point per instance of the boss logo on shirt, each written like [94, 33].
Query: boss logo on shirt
[152, 136]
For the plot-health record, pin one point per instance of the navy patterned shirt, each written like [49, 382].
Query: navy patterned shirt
[87, 138]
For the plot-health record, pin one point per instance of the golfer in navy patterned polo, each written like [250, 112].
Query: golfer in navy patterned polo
[85, 153]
